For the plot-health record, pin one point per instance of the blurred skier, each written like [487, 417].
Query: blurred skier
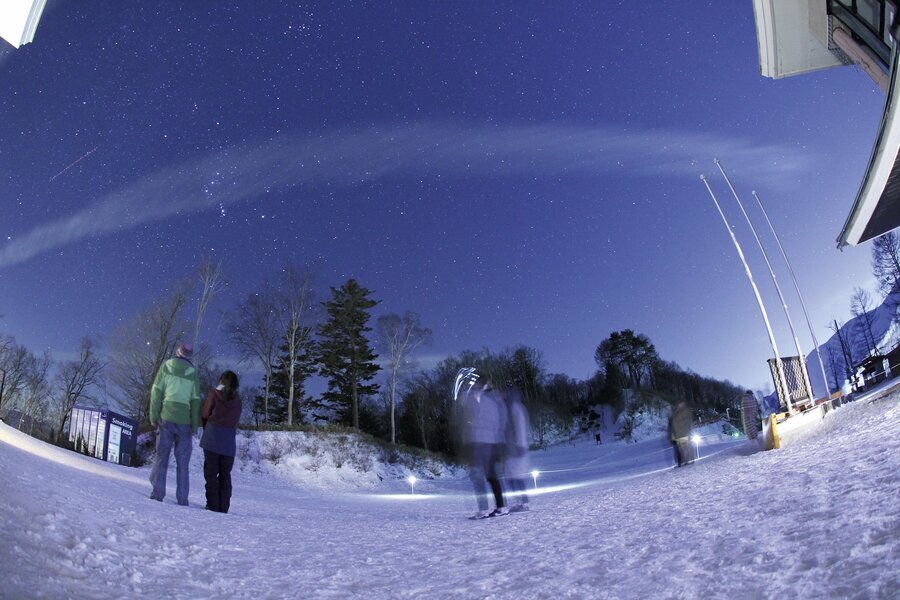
[680, 423]
[484, 423]
[518, 439]
[750, 415]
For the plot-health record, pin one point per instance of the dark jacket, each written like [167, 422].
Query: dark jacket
[220, 421]
[681, 421]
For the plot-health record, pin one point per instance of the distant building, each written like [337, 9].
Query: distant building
[800, 36]
[104, 434]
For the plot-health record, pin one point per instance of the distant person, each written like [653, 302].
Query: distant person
[220, 413]
[680, 423]
[518, 440]
[484, 423]
[597, 436]
[175, 410]
[750, 415]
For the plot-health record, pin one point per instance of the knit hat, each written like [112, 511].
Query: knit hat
[184, 351]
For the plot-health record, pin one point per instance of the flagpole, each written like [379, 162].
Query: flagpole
[762, 308]
[784, 305]
[796, 287]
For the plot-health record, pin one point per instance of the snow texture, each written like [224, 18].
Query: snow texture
[817, 519]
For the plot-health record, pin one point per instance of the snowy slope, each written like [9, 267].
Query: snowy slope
[817, 519]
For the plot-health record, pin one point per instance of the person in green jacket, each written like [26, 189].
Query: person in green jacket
[175, 411]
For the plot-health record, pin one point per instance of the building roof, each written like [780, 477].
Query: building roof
[19, 20]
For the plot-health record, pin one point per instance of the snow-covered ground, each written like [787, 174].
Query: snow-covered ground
[820, 518]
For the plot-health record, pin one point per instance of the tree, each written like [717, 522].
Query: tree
[253, 330]
[295, 309]
[285, 400]
[400, 337]
[14, 361]
[345, 357]
[36, 389]
[860, 302]
[886, 261]
[625, 349]
[211, 283]
[845, 350]
[140, 347]
[74, 380]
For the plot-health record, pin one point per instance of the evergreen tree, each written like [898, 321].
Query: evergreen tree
[346, 358]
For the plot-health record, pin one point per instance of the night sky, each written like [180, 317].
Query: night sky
[515, 172]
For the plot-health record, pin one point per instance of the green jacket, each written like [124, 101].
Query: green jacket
[175, 396]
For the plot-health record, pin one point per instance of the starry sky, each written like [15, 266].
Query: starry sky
[514, 172]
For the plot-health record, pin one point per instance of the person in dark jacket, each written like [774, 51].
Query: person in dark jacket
[221, 413]
[680, 424]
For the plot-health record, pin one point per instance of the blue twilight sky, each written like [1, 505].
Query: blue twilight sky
[515, 172]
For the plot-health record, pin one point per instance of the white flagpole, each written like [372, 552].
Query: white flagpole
[762, 308]
[784, 305]
[799, 294]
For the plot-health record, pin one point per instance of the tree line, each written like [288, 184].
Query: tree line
[373, 382]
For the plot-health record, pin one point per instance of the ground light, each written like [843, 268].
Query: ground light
[696, 439]
[534, 476]
[412, 484]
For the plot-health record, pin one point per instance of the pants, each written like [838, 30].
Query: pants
[682, 450]
[217, 472]
[179, 436]
[485, 458]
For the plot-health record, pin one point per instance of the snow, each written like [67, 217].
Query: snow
[818, 518]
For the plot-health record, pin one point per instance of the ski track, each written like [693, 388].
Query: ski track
[816, 519]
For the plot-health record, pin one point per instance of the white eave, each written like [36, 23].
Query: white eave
[877, 206]
[791, 36]
[19, 20]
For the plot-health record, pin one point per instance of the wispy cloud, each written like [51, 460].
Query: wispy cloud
[242, 173]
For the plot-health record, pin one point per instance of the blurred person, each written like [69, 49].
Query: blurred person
[484, 424]
[680, 423]
[518, 440]
[220, 413]
[175, 410]
[750, 415]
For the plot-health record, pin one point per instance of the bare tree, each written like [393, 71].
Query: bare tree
[886, 261]
[36, 389]
[14, 360]
[845, 350]
[74, 380]
[860, 303]
[211, 283]
[139, 348]
[400, 337]
[295, 314]
[253, 329]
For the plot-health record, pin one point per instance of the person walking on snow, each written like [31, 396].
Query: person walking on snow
[485, 430]
[175, 410]
[220, 413]
[680, 424]
[518, 440]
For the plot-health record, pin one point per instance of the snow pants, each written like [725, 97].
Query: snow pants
[217, 472]
[178, 436]
[485, 466]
